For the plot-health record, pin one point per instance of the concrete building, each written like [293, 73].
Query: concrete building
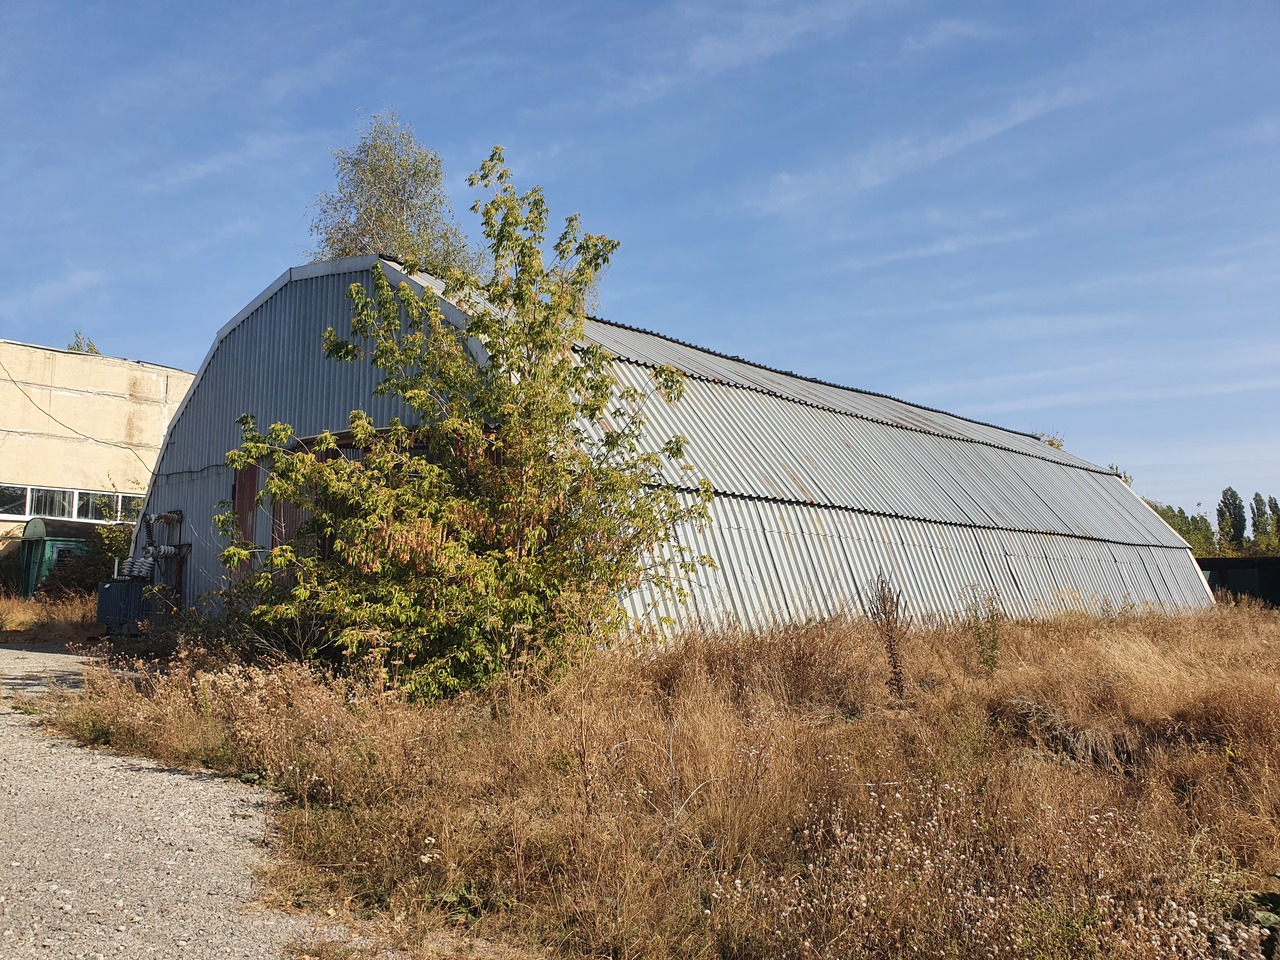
[818, 487]
[79, 434]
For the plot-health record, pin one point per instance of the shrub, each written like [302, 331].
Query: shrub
[498, 531]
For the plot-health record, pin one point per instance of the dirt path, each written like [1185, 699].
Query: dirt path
[28, 668]
[107, 856]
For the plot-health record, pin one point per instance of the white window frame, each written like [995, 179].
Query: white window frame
[76, 493]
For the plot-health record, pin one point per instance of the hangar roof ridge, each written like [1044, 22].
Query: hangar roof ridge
[1062, 459]
[354, 264]
[800, 376]
[1081, 465]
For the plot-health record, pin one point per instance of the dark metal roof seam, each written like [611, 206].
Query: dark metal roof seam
[862, 416]
[193, 472]
[823, 383]
[843, 508]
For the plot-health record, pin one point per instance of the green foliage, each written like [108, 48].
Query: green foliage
[1266, 534]
[1260, 517]
[498, 530]
[390, 199]
[1193, 528]
[1231, 521]
[1126, 477]
[1229, 539]
[82, 344]
[985, 617]
[83, 572]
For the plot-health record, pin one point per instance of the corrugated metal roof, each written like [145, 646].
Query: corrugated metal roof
[935, 468]
[655, 350]
[818, 487]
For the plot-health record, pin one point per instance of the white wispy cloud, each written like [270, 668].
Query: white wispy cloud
[312, 75]
[50, 293]
[1190, 274]
[1027, 326]
[760, 34]
[251, 149]
[944, 33]
[734, 40]
[1148, 394]
[1191, 372]
[1264, 242]
[888, 160]
[1264, 130]
[1003, 383]
[1032, 310]
[938, 248]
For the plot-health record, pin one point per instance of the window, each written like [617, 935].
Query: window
[95, 506]
[52, 503]
[13, 501]
[63, 555]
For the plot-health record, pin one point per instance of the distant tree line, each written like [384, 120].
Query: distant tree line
[1242, 530]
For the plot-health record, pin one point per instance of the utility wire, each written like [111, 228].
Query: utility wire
[66, 426]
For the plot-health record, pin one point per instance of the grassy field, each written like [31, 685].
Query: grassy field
[71, 618]
[1071, 788]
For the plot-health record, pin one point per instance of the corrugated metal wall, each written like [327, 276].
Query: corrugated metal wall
[267, 362]
[819, 487]
[781, 562]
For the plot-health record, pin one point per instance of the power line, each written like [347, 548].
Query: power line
[67, 426]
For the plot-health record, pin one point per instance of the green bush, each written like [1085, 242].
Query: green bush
[497, 531]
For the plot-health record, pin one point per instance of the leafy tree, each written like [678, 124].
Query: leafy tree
[1274, 509]
[1260, 520]
[1231, 520]
[1193, 528]
[81, 344]
[499, 529]
[390, 199]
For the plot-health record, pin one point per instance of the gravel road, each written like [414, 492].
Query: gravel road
[107, 856]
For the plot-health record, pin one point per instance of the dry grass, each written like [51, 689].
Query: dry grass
[1107, 790]
[69, 618]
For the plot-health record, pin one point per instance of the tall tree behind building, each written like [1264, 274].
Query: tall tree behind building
[1191, 527]
[1260, 519]
[1231, 520]
[390, 199]
[497, 529]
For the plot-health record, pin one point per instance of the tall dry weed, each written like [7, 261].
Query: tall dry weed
[27, 619]
[1110, 791]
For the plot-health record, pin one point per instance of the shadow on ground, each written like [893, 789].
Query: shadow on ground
[28, 669]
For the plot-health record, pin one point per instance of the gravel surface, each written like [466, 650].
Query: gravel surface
[107, 856]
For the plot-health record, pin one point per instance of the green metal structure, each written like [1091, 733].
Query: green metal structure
[47, 544]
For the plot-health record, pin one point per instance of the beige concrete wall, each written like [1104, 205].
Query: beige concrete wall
[10, 537]
[81, 421]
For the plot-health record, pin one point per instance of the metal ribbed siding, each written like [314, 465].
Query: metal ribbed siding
[755, 445]
[653, 350]
[786, 562]
[269, 363]
[819, 487]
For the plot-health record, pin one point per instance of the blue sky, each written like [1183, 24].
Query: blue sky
[1054, 217]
